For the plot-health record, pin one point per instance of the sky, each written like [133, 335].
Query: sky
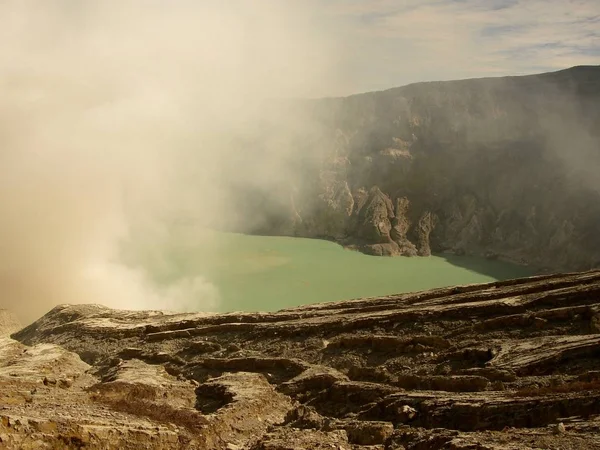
[391, 43]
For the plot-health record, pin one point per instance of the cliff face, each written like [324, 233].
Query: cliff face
[499, 167]
[499, 366]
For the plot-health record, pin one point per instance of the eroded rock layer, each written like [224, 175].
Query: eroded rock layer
[504, 365]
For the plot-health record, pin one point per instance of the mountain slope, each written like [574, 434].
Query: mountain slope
[497, 167]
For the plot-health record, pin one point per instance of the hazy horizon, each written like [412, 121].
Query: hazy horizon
[118, 114]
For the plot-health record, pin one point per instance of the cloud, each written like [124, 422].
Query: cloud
[413, 40]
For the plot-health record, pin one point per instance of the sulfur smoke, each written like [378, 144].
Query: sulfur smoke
[113, 117]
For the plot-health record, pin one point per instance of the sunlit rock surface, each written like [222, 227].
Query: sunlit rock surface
[504, 365]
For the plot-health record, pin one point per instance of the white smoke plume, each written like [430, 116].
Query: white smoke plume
[108, 114]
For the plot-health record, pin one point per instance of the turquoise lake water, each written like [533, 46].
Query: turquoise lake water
[267, 273]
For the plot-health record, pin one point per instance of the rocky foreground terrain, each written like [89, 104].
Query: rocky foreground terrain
[504, 365]
[496, 167]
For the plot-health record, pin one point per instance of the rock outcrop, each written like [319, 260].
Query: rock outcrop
[496, 167]
[504, 365]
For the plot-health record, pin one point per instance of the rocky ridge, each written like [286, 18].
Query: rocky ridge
[497, 366]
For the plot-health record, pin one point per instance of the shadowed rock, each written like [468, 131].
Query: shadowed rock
[496, 167]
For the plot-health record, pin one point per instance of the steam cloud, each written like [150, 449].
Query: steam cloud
[108, 120]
